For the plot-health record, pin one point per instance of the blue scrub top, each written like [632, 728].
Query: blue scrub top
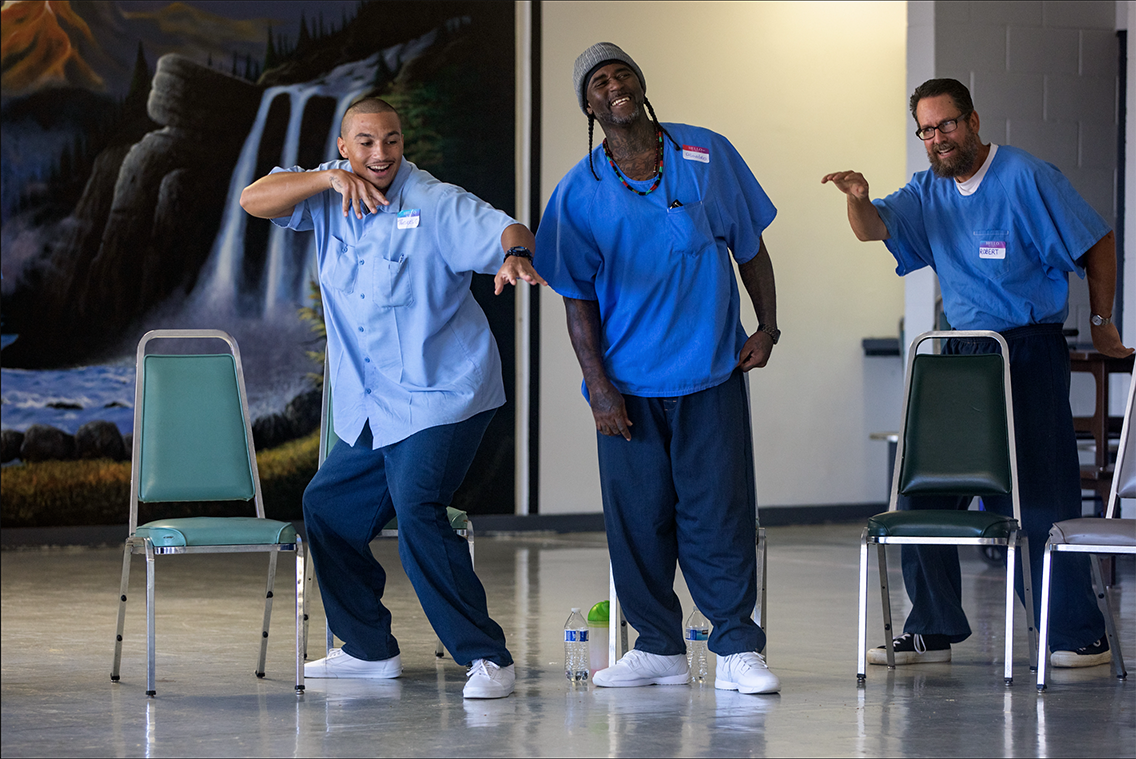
[660, 270]
[408, 346]
[1003, 254]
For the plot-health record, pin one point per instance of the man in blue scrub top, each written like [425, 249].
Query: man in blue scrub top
[638, 239]
[415, 378]
[1002, 230]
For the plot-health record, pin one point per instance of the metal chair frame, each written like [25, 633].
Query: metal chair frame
[1015, 539]
[324, 449]
[1094, 549]
[144, 546]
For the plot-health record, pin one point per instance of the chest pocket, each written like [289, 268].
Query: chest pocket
[995, 254]
[340, 266]
[689, 229]
[393, 280]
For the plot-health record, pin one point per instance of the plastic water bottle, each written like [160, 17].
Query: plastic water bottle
[697, 633]
[576, 655]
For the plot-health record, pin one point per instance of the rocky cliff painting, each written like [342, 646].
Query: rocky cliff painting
[129, 128]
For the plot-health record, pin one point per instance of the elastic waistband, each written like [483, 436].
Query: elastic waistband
[1032, 330]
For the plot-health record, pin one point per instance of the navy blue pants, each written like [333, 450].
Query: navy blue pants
[354, 495]
[682, 490]
[1049, 478]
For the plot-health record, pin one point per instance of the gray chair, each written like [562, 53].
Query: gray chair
[459, 520]
[1094, 536]
[193, 443]
[956, 439]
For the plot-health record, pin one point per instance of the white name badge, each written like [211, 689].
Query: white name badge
[409, 219]
[992, 249]
[694, 153]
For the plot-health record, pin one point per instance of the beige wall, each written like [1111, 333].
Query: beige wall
[800, 89]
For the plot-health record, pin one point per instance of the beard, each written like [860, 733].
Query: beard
[958, 164]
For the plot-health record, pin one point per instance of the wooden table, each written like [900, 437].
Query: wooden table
[1098, 475]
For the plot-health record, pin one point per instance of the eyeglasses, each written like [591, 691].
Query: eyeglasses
[945, 127]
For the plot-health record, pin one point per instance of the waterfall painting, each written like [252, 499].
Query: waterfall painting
[130, 128]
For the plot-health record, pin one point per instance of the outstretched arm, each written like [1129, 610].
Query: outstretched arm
[608, 408]
[1100, 271]
[757, 277]
[862, 215]
[275, 196]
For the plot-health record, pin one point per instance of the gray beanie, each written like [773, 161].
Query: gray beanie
[598, 55]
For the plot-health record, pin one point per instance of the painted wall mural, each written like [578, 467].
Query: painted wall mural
[128, 129]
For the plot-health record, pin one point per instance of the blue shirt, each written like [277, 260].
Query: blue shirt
[408, 346]
[1003, 254]
[659, 265]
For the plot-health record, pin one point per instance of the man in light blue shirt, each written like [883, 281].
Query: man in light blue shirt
[1002, 230]
[415, 377]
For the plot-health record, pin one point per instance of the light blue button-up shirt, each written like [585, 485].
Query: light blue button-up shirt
[408, 346]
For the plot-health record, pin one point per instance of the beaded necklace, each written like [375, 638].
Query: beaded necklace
[658, 167]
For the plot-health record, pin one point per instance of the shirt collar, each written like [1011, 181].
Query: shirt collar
[394, 192]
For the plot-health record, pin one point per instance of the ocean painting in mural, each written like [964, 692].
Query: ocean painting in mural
[129, 129]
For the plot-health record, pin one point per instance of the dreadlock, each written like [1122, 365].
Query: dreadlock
[592, 126]
[659, 126]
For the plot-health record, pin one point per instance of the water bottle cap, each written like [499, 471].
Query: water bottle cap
[575, 610]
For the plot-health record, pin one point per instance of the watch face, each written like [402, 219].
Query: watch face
[1098, 320]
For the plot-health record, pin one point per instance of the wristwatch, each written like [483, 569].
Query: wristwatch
[519, 250]
[773, 332]
[1100, 321]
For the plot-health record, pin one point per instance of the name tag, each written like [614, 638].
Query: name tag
[695, 153]
[992, 249]
[409, 218]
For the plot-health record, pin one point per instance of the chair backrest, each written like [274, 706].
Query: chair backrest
[1124, 475]
[192, 435]
[957, 434]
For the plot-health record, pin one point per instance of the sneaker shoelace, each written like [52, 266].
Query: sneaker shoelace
[482, 667]
[335, 653]
[920, 644]
[751, 660]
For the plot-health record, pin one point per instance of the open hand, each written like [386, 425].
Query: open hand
[848, 182]
[514, 268]
[357, 192]
[1106, 340]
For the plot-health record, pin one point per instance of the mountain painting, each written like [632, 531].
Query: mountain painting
[129, 128]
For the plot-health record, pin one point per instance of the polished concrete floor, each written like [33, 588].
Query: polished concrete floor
[59, 609]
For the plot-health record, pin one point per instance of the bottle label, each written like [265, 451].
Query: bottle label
[697, 635]
[575, 636]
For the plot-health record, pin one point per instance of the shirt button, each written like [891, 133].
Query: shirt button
[368, 391]
[361, 262]
[366, 361]
[361, 295]
[360, 329]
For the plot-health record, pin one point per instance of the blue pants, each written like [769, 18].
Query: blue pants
[354, 495]
[1049, 478]
[682, 490]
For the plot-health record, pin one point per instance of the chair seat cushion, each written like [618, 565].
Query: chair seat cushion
[216, 531]
[1095, 531]
[940, 523]
[459, 520]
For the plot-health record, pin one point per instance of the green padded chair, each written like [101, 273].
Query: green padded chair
[193, 442]
[1094, 536]
[617, 643]
[956, 439]
[459, 520]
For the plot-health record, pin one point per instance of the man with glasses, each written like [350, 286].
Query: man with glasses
[1002, 229]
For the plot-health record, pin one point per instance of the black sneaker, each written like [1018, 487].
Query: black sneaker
[914, 649]
[1087, 656]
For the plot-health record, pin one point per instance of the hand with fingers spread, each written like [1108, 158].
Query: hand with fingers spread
[848, 182]
[516, 268]
[357, 192]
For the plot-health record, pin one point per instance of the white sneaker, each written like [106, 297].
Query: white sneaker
[745, 673]
[339, 664]
[638, 668]
[487, 680]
